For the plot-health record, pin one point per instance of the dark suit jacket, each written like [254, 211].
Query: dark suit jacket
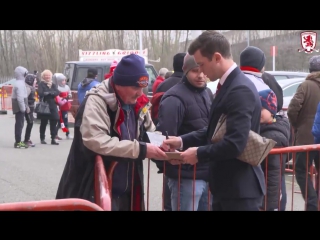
[231, 178]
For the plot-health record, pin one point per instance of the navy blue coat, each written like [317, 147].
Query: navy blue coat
[229, 177]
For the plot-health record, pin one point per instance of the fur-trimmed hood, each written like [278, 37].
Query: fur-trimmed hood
[314, 76]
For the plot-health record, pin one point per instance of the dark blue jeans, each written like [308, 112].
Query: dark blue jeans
[167, 195]
[189, 199]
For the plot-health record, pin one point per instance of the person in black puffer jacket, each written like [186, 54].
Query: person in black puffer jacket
[277, 128]
[185, 108]
[30, 81]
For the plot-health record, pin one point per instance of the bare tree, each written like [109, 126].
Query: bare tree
[41, 49]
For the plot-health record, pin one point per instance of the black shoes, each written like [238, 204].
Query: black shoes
[53, 142]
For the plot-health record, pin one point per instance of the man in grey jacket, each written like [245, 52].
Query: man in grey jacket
[19, 104]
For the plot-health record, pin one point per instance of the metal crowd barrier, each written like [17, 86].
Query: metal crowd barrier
[5, 99]
[293, 191]
[52, 205]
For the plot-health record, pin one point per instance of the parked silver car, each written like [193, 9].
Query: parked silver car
[284, 75]
[279, 76]
[289, 88]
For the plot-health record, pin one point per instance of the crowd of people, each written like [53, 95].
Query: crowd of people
[55, 95]
[115, 115]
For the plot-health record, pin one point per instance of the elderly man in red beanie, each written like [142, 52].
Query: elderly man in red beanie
[112, 122]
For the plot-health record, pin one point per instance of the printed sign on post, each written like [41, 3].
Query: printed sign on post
[109, 55]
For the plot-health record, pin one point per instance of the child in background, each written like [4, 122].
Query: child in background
[277, 128]
[62, 101]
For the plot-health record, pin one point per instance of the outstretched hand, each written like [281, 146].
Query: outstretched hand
[171, 144]
[155, 152]
[190, 156]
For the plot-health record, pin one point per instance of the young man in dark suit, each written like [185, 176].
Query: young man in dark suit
[235, 185]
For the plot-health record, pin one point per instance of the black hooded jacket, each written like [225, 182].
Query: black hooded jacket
[274, 166]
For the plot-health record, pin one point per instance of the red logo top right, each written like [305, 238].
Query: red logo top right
[308, 42]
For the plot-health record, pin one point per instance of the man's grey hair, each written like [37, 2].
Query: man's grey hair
[163, 71]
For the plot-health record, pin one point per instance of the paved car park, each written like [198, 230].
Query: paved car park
[34, 174]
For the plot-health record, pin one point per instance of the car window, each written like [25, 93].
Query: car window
[68, 71]
[292, 76]
[291, 90]
[82, 74]
[152, 78]
[280, 77]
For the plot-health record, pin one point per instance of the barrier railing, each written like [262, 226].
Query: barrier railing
[287, 191]
[71, 204]
[102, 189]
[102, 197]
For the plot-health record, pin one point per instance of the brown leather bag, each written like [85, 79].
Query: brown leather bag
[257, 147]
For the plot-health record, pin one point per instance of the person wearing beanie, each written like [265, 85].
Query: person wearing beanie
[252, 61]
[168, 83]
[159, 79]
[30, 82]
[64, 104]
[184, 108]
[113, 121]
[301, 113]
[112, 68]
[277, 128]
[89, 82]
[273, 84]
[269, 105]
[176, 76]
[235, 185]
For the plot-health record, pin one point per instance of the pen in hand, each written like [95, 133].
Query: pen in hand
[167, 137]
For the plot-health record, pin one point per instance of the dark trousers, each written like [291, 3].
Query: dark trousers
[29, 118]
[301, 175]
[122, 203]
[283, 201]
[19, 116]
[53, 128]
[241, 204]
[65, 121]
[167, 195]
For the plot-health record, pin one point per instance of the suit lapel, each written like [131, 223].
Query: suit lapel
[223, 90]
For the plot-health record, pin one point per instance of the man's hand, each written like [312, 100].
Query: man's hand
[190, 156]
[155, 152]
[171, 144]
[27, 110]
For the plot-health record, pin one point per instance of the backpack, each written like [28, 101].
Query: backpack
[155, 101]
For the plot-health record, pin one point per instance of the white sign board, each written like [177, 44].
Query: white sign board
[109, 55]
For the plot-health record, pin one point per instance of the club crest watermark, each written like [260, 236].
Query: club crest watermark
[308, 42]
